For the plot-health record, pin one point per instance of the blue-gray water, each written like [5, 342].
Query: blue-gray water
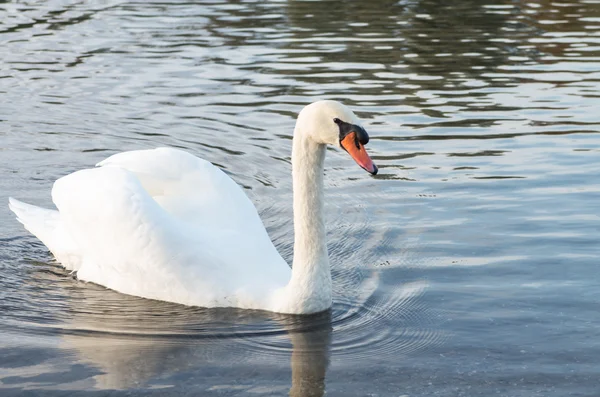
[467, 267]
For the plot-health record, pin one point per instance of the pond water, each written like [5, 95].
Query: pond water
[466, 267]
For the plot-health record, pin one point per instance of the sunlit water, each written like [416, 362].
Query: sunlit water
[467, 267]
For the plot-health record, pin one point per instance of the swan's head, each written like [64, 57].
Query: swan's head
[331, 123]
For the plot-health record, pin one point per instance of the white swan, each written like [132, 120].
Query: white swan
[164, 224]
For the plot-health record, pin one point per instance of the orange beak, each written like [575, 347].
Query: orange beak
[357, 150]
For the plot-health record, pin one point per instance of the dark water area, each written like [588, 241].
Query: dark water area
[466, 267]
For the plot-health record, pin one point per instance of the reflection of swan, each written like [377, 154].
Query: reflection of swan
[166, 225]
[146, 347]
[310, 358]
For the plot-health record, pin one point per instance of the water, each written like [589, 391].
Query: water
[467, 267]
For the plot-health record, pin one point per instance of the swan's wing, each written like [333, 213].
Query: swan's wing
[130, 242]
[123, 236]
[202, 196]
[189, 188]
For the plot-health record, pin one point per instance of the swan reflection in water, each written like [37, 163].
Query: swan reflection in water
[144, 343]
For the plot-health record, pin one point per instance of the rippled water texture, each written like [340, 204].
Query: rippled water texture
[467, 267]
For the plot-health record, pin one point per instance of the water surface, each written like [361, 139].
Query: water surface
[466, 267]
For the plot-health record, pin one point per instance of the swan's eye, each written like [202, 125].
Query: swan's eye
[337, 121]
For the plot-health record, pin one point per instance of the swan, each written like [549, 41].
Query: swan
[166, 225]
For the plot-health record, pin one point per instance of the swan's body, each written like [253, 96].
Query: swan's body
[166, 225]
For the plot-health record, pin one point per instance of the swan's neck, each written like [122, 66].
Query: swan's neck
[310, 285]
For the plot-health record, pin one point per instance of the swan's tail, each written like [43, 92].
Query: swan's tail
[45, 225]
[41, 222]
